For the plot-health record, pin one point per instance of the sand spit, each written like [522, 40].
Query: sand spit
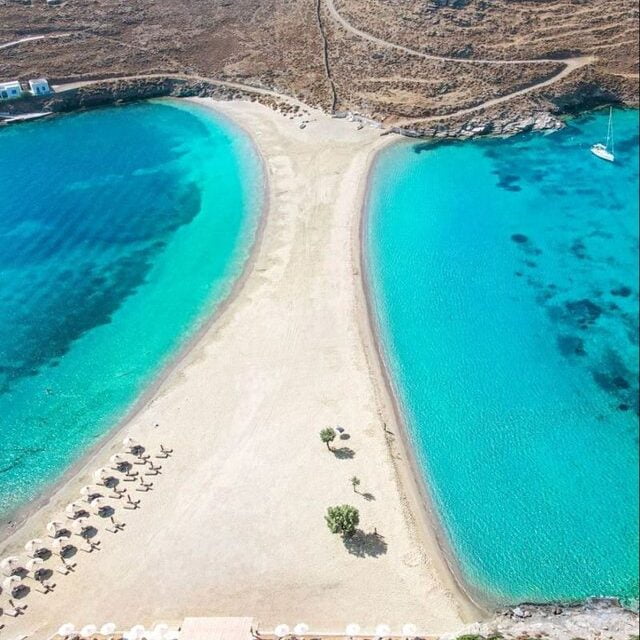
[234, 525]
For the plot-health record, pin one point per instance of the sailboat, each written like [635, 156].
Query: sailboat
[602, 150]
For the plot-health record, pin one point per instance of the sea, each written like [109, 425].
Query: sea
[121, 231]
[504, 276]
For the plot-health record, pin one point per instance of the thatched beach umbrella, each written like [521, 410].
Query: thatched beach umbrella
[118, 460]
[281, 631]
[103, 476]
[352, 630]
[55, 528]
[135, 633]
[12, 585]
[11, 565]
[88, 630]
[301, 629]
[107, 629]
[35, 566]
[409, 630]
[66, 629]
[80, 526]
[99, 505]
[74, 509]
[130, 443]
[60, 546]
[35, 548]
[383, 631]
[90, 492]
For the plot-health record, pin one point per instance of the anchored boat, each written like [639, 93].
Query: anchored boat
[602, 150]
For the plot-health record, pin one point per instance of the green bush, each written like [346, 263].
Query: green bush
[343, 519]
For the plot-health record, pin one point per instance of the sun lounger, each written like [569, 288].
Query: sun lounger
[45, 586]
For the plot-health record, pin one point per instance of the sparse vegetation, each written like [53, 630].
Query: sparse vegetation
[327, 436]
[343, 519]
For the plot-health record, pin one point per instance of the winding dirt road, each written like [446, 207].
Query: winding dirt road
[570, 65]
[14, 43]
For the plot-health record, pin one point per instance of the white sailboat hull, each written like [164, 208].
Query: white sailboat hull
[601, 151]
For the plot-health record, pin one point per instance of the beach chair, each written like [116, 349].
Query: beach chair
[45, 586]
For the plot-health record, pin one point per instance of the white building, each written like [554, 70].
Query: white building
[39, 87]
[9, 90]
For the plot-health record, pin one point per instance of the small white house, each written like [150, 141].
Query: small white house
[10, 90]
[39, 87]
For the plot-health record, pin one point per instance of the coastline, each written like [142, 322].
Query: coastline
[473, 607]
[242, 375]
[13, 520]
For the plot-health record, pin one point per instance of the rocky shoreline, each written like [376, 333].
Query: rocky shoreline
[507, 121]
[595, 619]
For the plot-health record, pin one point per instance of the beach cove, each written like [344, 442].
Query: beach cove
[505, 278]
[290, 353]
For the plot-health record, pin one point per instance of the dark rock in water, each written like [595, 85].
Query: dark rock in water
[610, 383]
[622, 291]
[571, 346]
[531, 263]
[519, 274]
[583, 312]
[623, 406]
[520, 238]
[579, 250]
[620, 382]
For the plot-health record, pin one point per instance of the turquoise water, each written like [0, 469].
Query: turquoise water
[505, 275]
[122, 229]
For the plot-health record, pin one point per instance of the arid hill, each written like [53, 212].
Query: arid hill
[415, 64]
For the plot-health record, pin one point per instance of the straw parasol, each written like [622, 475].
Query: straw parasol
[80, 526]
[35, 547]
[383, 631]
[11, 565]
[107, 629]
[98, 505]
[102, 476]
[35, 566]
[281, 631]
[135, 633]
[66, 629]
[352, 630]
[118, 460]
[88, 630]
[60, 545]
[12, 585]
[301, 629]
[130, 443]
[55, 528]
[409, 630]
[74, 509]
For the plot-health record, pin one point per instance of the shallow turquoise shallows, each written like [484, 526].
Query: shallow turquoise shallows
[120, 231]
[505, 276]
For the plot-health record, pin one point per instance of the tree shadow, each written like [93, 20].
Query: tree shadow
[343, 453]
[344, 436]
[364, 545]
[368, 496]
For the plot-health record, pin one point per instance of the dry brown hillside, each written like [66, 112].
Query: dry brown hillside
[407, 62]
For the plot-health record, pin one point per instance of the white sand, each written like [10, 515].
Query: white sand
[235, 524]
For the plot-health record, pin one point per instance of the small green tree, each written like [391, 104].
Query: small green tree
[342, 519]
[355, 483]
[327, 436]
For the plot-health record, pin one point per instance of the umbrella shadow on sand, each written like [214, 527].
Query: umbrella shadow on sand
[363, 545]
[343, 453]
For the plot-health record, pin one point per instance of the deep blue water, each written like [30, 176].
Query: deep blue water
[505, 274]
[121, 229]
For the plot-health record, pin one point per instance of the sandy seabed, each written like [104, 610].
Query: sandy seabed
[235, 522]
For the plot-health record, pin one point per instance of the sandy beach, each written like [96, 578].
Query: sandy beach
[235, 523]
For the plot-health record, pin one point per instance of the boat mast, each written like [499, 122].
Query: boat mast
[610, 130]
